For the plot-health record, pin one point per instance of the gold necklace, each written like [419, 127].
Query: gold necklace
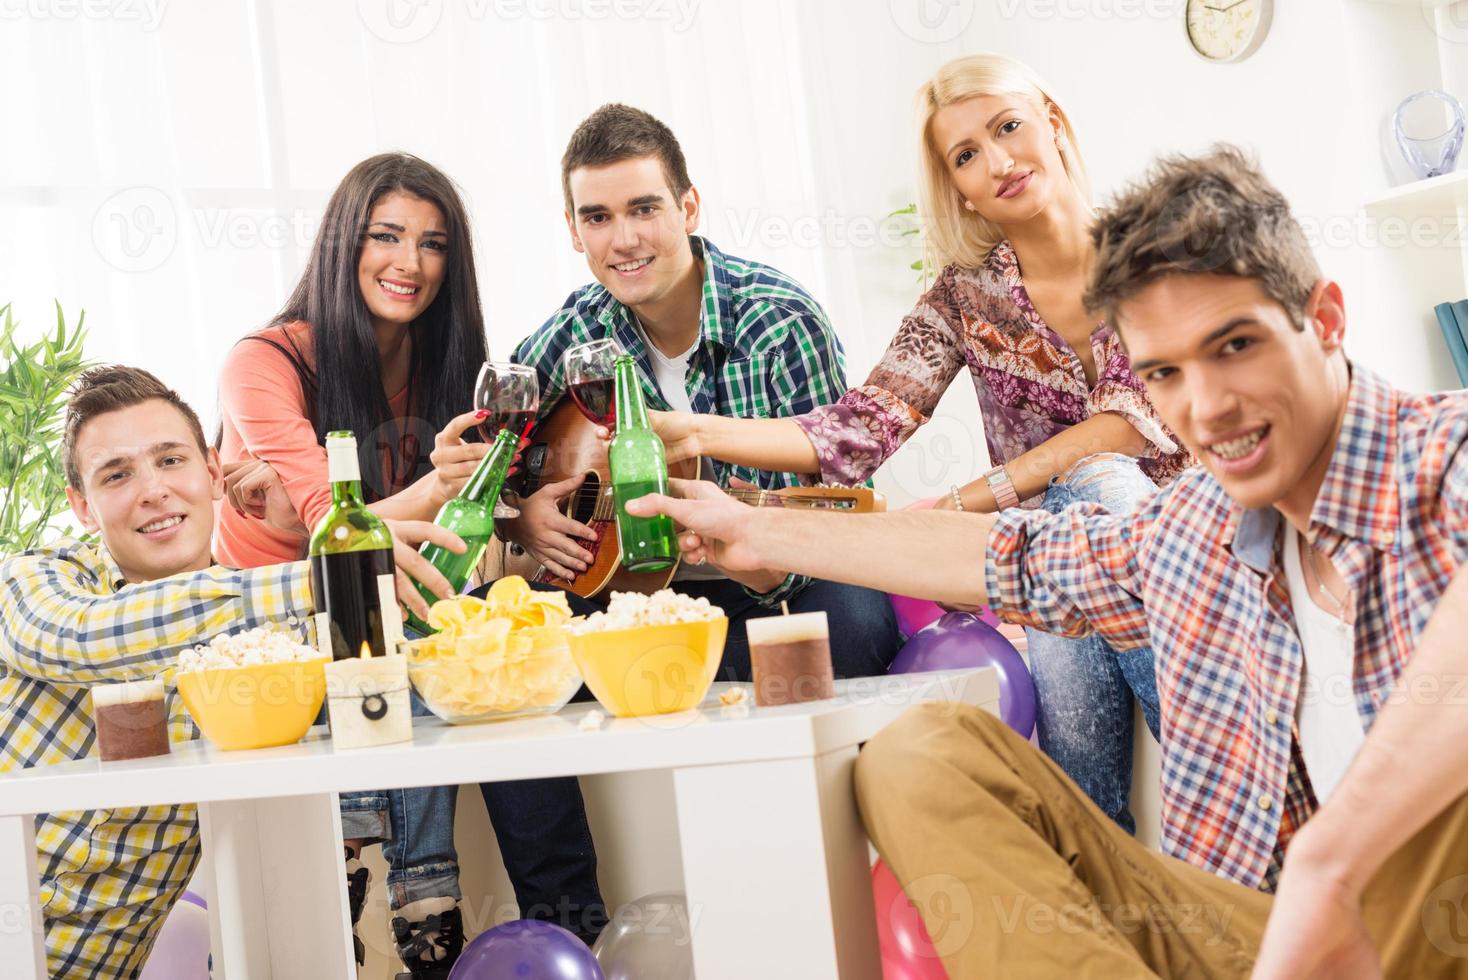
[1340, 607]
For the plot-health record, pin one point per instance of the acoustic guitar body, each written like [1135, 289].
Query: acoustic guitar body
[565, 445]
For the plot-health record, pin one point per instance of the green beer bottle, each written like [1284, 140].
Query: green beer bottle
[470, 515]
[352, 574]
[638, 468]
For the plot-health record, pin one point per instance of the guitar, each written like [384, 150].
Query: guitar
[565, 444]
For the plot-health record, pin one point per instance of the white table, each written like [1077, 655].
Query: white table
[765, 808]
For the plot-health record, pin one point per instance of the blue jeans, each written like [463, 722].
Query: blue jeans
[545, 842]
[864, 636]
[1084, 688]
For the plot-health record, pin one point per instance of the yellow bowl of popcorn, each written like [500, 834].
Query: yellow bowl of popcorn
[254, 691]
[503, 656]
[650, 655]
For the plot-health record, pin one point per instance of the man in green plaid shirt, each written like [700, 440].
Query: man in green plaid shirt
[712, 334]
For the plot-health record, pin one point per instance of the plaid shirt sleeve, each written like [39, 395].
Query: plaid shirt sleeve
[60, 628]
[809, 371]
[1071, 573]
[1455, 502]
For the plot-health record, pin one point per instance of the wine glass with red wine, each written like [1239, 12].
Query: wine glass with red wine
[589, 374]
[510, 393]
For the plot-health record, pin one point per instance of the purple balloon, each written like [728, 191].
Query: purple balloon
[193, 899]
[959, 640]
[526, 950]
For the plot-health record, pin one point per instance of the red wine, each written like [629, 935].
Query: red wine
[519, 420]
[359, 589]
[595, 400]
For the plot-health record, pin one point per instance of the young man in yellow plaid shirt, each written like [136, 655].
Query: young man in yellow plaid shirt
[142, 478]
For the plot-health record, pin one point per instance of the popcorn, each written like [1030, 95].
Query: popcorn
[629, 610]
[591, 721]
[261, 645]
[733, 696]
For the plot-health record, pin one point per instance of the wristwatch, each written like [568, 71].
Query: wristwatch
[1001, 487]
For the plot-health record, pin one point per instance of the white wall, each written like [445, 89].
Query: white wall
[165, 171]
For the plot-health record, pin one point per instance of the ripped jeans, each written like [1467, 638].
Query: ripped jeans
[1083, 687]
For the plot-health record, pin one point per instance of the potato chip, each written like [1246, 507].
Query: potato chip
[505, 653]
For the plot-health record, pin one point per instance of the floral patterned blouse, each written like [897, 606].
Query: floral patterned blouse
[1031, 384]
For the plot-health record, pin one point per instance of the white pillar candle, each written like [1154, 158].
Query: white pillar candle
[368, 701]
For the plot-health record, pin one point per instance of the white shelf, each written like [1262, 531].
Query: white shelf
[1426, 4]
[1438, 195]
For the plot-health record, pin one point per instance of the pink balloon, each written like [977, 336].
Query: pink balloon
[907, 952]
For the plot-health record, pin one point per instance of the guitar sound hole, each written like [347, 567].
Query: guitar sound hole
[583, 501]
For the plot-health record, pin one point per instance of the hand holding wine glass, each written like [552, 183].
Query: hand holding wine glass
[454, 460]
[510, 395]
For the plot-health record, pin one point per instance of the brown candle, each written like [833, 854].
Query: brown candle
[791, 658]
[131, 720]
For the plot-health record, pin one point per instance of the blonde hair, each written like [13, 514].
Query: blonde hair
[954, 234]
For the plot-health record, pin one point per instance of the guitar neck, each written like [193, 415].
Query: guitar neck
[852, 500]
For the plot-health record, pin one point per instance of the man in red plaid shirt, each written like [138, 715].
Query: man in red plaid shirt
[1303, 590]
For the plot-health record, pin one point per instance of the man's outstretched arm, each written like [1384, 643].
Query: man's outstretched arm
[929, 554]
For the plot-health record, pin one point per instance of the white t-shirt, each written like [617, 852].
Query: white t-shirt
[671, 374]
[1329, 724]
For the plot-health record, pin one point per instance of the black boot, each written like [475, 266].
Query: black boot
[430, 937]
[358, 879]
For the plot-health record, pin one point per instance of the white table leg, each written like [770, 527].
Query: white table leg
[278, 894]
[22, 927]
[776, 870]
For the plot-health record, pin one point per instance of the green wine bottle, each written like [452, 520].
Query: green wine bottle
[638, 467]
[470, 515]
[352, 574]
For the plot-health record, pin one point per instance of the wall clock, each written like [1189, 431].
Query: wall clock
[1223, 31]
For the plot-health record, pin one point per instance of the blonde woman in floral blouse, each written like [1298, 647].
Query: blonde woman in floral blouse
[1008, 213]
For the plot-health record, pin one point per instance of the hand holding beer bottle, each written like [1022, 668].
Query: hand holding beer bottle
[470, 515]
[638, 467]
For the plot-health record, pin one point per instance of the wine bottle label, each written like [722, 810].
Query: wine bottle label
[341, 460]
[392, 622]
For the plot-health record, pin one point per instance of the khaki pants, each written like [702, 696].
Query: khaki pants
[1017, 874]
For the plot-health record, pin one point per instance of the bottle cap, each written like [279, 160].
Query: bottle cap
[341, 458]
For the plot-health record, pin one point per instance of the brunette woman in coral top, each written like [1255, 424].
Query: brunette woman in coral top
[384, 336]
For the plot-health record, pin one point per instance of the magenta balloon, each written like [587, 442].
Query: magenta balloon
[526, 950]
[960, 640]
[914, 614]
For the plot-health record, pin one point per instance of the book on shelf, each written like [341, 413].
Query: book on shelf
[1452, 319]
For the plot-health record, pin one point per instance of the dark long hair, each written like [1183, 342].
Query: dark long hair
[344, 391]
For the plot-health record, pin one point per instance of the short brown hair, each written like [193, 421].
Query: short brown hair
[112, 388]
[1216, 214]
[617, 132]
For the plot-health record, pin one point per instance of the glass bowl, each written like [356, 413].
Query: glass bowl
[466, 682]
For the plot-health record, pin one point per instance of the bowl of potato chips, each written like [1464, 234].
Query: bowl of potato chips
[504, 656]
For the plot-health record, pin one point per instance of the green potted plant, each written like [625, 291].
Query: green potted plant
[33, 384]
